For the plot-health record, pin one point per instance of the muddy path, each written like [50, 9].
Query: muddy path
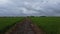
[25, 27]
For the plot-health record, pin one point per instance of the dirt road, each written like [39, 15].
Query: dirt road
[25, 27]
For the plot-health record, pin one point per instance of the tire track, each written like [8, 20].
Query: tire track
[26, 27]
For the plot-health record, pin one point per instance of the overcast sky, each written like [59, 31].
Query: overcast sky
[29, 7]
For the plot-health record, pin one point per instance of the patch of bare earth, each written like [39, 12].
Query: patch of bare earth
[25, 27]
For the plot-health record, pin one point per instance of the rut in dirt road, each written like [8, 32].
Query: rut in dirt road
[24, 28]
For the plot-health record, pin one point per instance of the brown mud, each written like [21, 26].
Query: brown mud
[25, 27]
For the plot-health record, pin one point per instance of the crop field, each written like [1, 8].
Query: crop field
[51, 25]
[8, 21]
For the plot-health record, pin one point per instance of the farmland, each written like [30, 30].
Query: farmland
[51, 25]
[8, 21]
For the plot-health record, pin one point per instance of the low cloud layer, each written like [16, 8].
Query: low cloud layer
[29, 7]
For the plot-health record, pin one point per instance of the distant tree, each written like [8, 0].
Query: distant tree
[42, 16]
[32, 16]
[27, 16]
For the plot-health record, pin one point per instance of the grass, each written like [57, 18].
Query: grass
[50, 24]
[8, 21]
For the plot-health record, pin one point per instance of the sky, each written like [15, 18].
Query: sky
[29, 7]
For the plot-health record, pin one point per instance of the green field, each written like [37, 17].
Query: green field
[8, 21]
[51, 25]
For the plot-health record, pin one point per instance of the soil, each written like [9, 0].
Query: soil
[25, 27]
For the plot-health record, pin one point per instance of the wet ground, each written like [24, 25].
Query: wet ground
[25, 27]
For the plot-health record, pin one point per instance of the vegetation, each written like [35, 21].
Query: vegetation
[49, 24]
[6, 22]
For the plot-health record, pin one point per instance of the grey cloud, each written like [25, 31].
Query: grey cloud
[31, 7]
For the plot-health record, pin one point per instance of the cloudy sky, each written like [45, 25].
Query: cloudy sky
[29, 7]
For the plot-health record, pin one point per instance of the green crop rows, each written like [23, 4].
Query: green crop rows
[51, 25]
[8, 21]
